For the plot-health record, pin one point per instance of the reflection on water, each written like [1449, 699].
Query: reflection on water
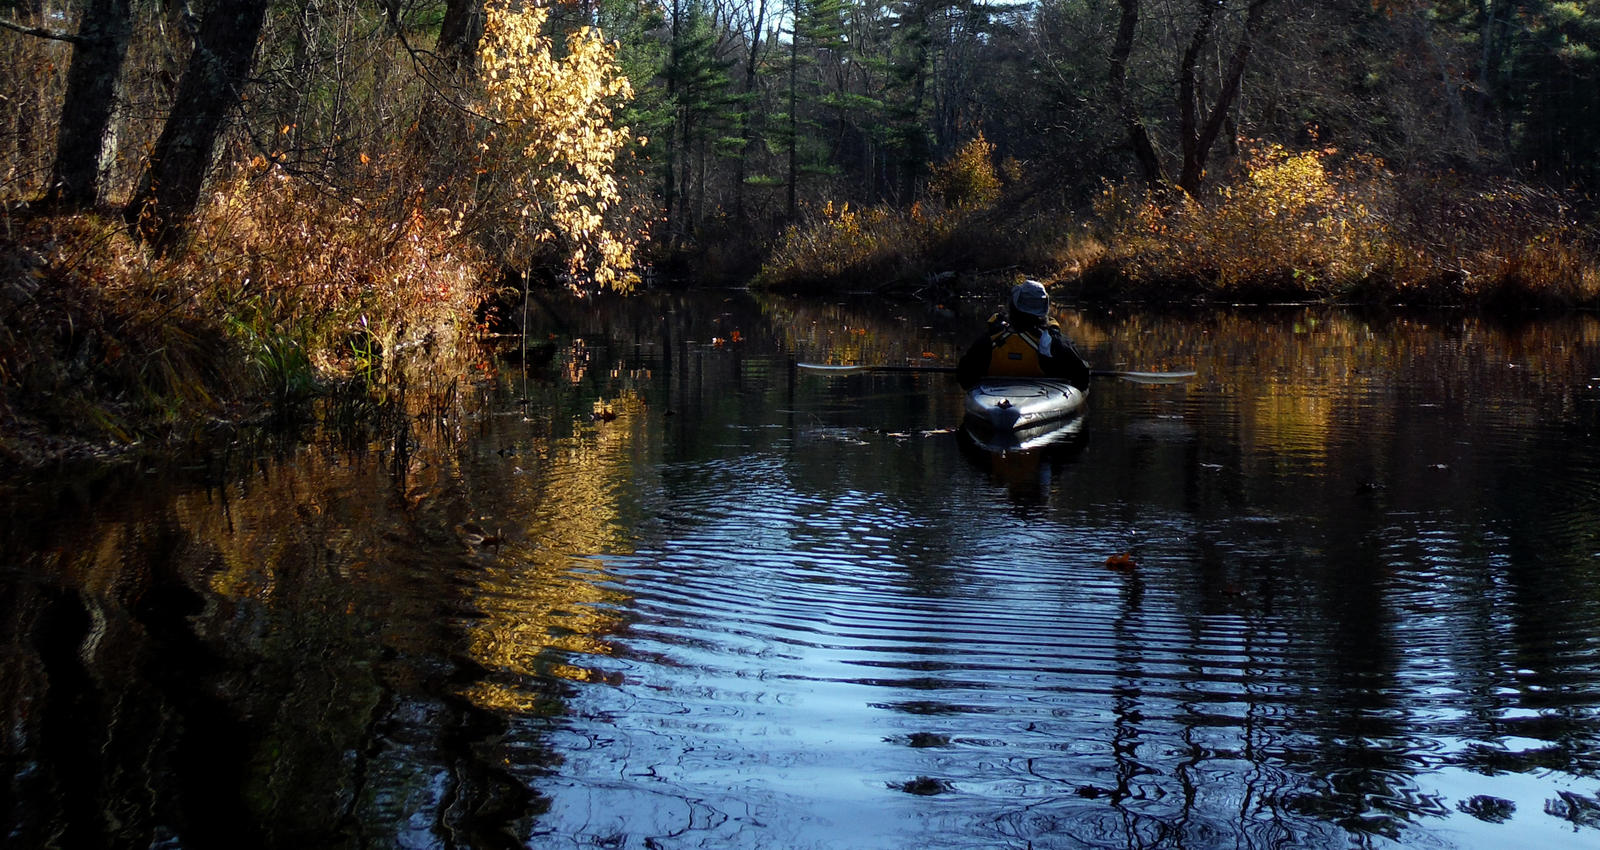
[664, 591]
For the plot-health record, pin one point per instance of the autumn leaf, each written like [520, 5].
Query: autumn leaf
[557, 146]
[1122, 562]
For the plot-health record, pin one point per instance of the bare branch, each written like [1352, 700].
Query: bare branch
[40, 32]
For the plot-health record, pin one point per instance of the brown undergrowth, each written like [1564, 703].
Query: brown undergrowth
[1311, 225]
[281, 292]
[973, 225]
[1317, 225]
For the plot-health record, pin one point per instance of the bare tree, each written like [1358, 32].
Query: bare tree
[1202, 109]
[97, 55]
[170, 188]
[1199, 123]
[98, 49]
[1138, 135]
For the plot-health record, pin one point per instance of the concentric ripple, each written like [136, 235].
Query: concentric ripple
[793, 665]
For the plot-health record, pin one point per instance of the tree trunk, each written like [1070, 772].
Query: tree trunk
[86, 110]
[1189, 94]
[913, 131]
[460, 32]
[670, 202]
[170, 188]
[747, 132]
[1198, 137]
[1492, 88]
[1144, 151]
[794, 126]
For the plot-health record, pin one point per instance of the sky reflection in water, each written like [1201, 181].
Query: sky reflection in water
[665, 592]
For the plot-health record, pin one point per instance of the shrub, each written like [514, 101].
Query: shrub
[844, 248]
[549, 165]
[1286, 222]
[292, 262]
[1314, 224]
[967, 179]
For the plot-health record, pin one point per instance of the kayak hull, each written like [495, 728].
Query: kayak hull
[1009, 405]
[1067, 432]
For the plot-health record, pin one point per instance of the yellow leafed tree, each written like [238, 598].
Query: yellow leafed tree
[549, 164]
[968, 179]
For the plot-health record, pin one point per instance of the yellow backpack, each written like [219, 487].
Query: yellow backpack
[1015, 354]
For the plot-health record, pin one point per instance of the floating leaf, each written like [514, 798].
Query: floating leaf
[1121, 562]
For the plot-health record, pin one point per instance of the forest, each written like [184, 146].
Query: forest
[321, 183]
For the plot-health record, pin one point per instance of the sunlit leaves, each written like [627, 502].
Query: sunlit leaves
[1322, 223]
[968, 178]
[1287, 220]
[551, 162]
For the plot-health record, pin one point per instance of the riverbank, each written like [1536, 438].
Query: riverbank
[1281, 225]
[284, 295]
[108, 349]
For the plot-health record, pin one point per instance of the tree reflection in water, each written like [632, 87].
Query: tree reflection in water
[658, 589]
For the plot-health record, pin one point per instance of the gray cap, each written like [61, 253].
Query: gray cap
[1030, 298]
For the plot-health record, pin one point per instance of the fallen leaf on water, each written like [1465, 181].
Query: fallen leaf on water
[1121, 562]
[923, 786]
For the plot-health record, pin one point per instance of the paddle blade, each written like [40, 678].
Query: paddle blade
[1146, 377]
[849, 369]
[827, 369]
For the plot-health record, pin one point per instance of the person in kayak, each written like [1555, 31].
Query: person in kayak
[1025, 343]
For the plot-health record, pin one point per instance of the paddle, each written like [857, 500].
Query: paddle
[1136, 377]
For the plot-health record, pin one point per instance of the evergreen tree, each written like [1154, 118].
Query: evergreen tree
[700, 98]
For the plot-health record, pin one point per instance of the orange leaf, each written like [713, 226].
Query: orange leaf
[1122, 562]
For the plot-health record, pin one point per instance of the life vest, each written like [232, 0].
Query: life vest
[1015, 353]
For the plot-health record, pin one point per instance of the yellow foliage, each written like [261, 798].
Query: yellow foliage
[552, 164]
[1286, 221]
[967, 179]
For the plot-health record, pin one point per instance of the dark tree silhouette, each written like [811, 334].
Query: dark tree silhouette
[209, 90]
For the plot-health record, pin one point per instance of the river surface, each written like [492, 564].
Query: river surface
[651, 587]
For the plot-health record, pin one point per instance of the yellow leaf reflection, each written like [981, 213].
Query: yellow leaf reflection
[545, 607]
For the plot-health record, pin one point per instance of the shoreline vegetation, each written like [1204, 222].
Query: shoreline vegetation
[220, 224]
[1283, 225]
[108, 346]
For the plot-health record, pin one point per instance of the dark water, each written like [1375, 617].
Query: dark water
[653, 589]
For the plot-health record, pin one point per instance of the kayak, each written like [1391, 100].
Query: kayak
[1066, 432]
[1008, 405]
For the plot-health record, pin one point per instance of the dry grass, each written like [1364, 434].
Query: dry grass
[882, 248]
[280, 290]
[1315, 225]
[1282, 225]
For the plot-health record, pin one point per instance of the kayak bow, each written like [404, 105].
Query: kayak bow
[1013, 404]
